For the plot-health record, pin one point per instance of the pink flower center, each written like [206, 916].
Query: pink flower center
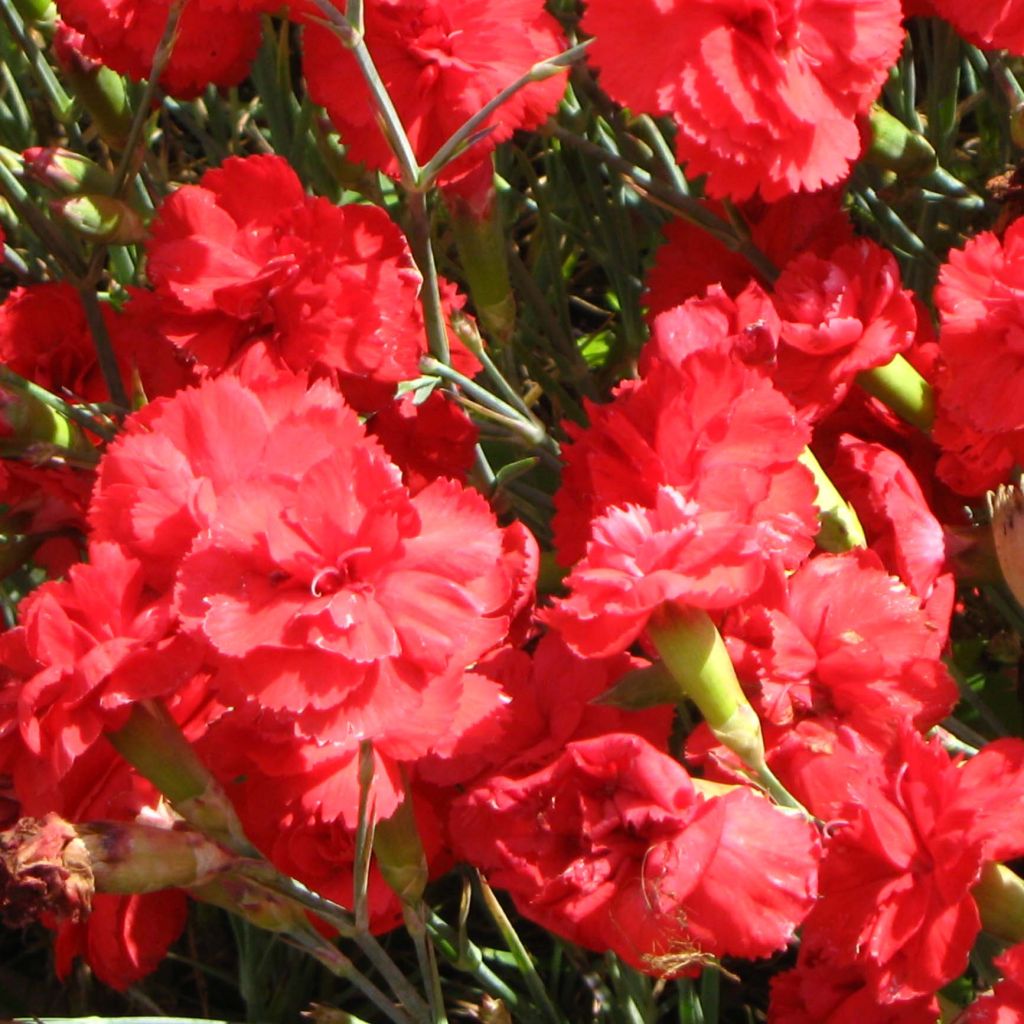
[333, 578]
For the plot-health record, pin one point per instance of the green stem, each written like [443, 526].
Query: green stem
[461, 137]
[104, 347]
[423, 253]
[653, 136]
[472, 341]
[364, 839]
[681, 203]
[160, 58]
[338, 964]
[397, 137]
[900, 387]
[414, 917]
[524, 962]
[468, 958]
[525, 424]
[153, 743]
[840, 528]
[10, 380]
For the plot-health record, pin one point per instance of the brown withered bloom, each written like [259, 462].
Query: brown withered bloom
[44, 866]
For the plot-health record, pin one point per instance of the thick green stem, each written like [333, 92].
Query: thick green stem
[900, 387]
[694, 653]
[155, 746]
[840, 529]
[999, 894]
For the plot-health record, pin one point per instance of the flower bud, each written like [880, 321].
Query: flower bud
[896, 147]
[37, 10]
[101, 219]
[66, 172]
[399, 852]
[33, 426]
[1007, 506]
[51, 865]
[999, 895]
[99, 89]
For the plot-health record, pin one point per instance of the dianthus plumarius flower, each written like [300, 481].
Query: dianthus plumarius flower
[611, 845]
[980, 299]
[903, 858]
[441, 62]
[844, 639]
[764, 94]
[317, 585]
[709, 427]
[246, 256]
[841, 313]
[216, 40]
[681, 492]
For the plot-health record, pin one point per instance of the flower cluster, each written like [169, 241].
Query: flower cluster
[684, 693]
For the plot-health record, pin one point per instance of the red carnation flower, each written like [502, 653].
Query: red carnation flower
[44, 337]
[216, 41]
[425, 439]
[844, 639]
[900, 526]
[547, 700]
[321, 587]
[336, 597]
[46, 507]
[86, 650]
[712, 429]
[611, 846]
[441, 62]
[642, 559]
[748, 325]
[980, 297]
[297, 798]
[247, 254]
[840, 315]
[764, 94]
[897, 875]
[125, 937]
